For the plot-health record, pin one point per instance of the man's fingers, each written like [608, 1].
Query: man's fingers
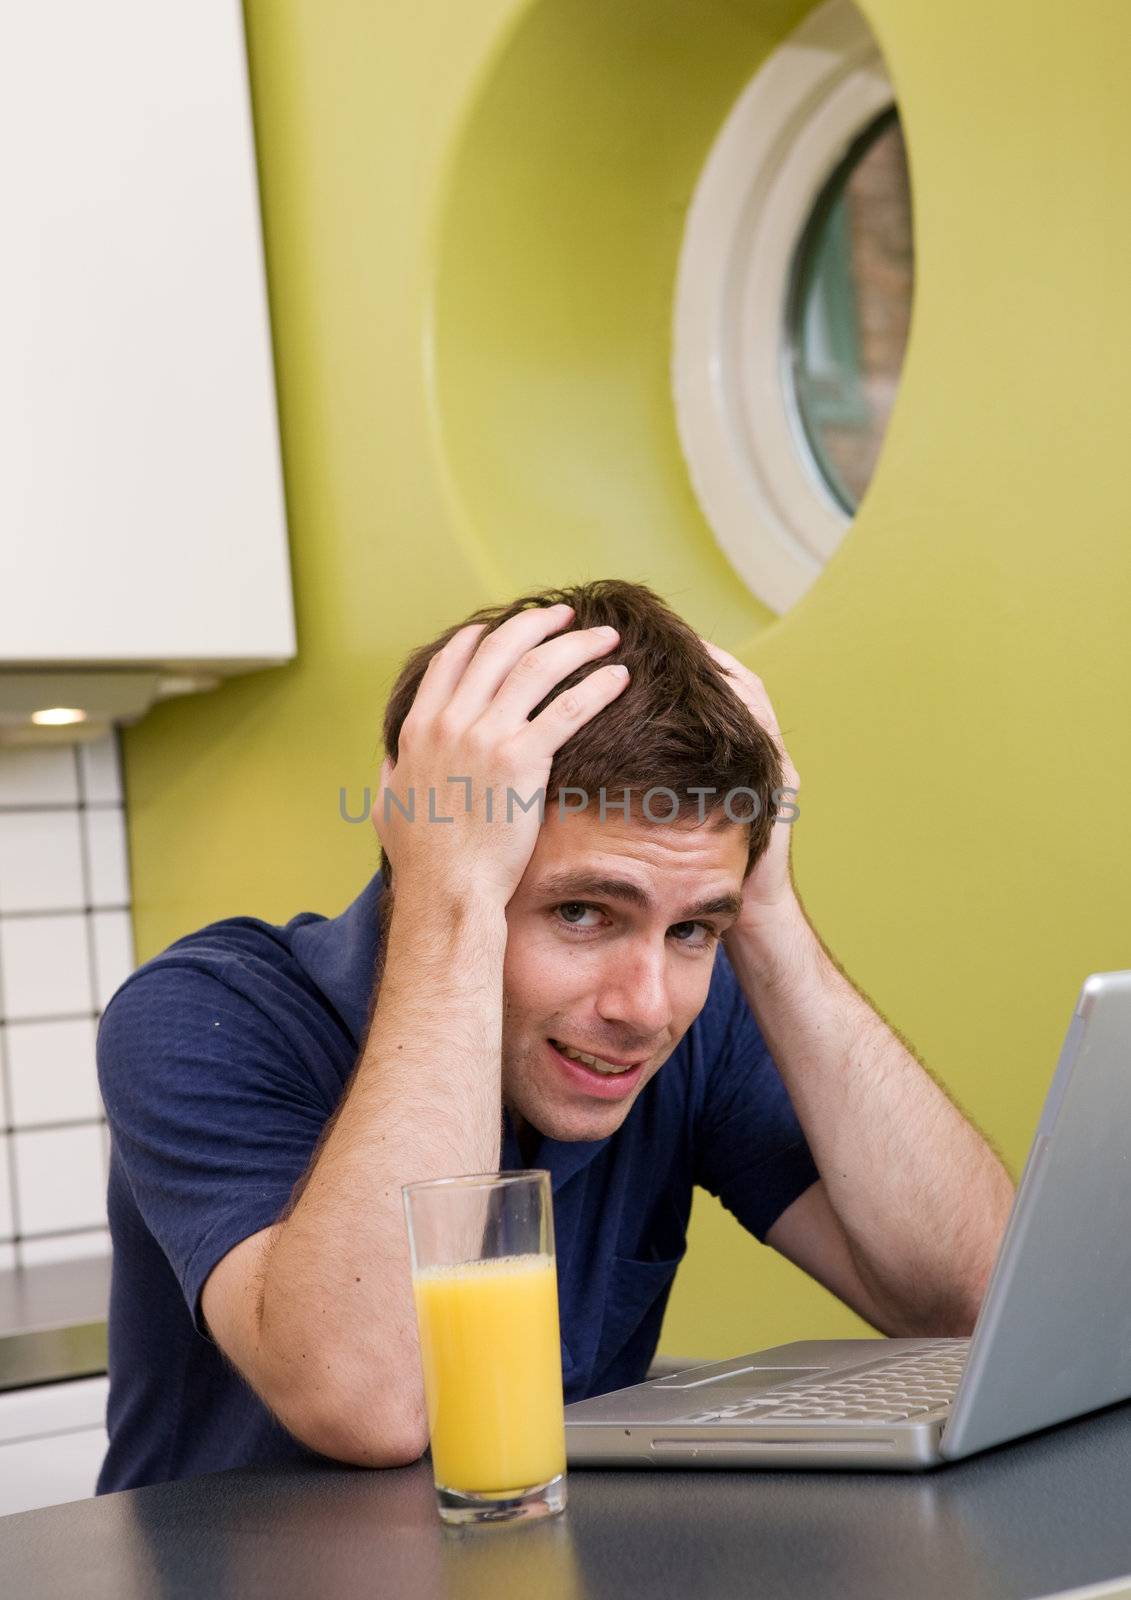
[537, 671]
[496, 655]
[752, 692]
[724, 658]
[748, 686]
[444, 672]
[572, 708]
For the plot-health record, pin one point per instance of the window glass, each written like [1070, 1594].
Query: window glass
[850, 309]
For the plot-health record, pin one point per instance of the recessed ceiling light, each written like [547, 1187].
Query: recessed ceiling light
[58, 716]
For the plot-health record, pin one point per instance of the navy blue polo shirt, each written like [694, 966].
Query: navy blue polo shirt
[220, 1062]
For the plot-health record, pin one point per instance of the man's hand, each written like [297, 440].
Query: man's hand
[769, 888]
[469, 755]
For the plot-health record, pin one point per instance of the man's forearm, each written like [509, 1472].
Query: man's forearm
[337, 1317]
[922, 1199]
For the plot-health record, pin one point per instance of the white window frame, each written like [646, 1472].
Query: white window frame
[750, 464]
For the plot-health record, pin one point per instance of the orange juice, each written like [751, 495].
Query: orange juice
[492, 1372]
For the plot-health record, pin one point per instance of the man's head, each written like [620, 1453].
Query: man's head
[637, 871]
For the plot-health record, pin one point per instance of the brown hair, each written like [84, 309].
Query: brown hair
[678, 725]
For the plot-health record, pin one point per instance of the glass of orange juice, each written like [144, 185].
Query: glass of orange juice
[485, 1284]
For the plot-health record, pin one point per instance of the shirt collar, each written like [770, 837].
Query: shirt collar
[340, 955]
[562, 1158]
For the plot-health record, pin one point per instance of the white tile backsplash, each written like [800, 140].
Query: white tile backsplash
[65, 945]
[106, 856]
[41, 861]
[44, 966]
[44, 776]
[59, 1179]
[52, 1073]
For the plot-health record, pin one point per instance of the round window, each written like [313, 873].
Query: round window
[793, 302]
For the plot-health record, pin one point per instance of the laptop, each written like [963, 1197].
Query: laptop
[1052, 1340]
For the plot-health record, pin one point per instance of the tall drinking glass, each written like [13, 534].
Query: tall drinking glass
[486, 1290]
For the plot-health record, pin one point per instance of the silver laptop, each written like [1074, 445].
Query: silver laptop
[1052, 1341]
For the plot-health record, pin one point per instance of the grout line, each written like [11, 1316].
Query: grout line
[15, 807]
[10, 1144]
[51, 1016]
[59, 1433]
[105, 1141]
[11, 1127]
[120, 786]
[92, 961]
[84, 1230]
[65, 911]
[84, 852]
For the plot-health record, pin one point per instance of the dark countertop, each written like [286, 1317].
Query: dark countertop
[1024, 1520]
[53, 1321]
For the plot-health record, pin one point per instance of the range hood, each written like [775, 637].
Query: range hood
[143, 544]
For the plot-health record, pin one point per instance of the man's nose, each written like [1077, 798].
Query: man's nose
[635, 995]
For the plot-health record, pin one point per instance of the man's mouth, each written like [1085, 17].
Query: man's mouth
[609, 1068]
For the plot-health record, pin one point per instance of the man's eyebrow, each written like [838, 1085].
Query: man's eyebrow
[590, 886]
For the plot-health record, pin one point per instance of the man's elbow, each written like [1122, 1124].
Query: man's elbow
[362, 1435]
[949, 1315]
[951, 1311]
[392, 1442]
[350, 1416]
[955, 1323]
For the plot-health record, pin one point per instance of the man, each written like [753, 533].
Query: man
[533, 979]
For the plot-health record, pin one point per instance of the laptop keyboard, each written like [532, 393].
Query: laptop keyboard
[895, 1390]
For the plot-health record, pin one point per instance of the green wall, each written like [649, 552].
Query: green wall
[472, 219]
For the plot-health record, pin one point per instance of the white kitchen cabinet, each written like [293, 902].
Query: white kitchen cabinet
[141, 506]
[52, 1442]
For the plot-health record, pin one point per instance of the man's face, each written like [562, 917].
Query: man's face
[611, 940]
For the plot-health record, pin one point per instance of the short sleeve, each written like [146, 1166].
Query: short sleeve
[751, 1151]
[213, 1115]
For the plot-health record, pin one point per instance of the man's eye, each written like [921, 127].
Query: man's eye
[706, 933]
[565, 912]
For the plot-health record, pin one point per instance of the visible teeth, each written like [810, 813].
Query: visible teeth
[591, 1061]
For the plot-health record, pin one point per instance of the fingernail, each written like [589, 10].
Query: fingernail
[610, 633]
[621, 672]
